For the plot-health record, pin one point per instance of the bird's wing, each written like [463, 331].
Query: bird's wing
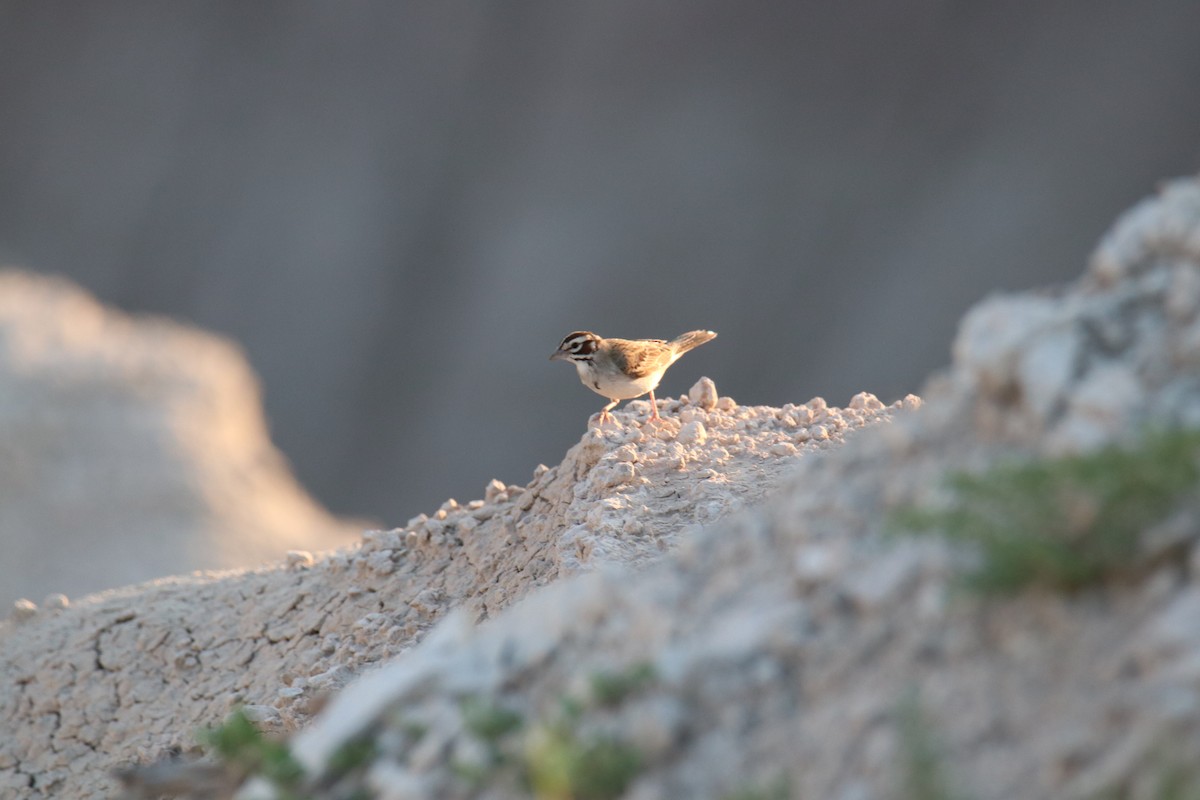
[641, 357]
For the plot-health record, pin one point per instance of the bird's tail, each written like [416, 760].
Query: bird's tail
[684, 342]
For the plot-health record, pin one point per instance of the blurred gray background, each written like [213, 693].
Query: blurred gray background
[398, 208]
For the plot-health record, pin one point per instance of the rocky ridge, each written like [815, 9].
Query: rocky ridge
[780, 647]
[769, 652]
[126, 676]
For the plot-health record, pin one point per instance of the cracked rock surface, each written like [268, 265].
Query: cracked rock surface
[128, 675]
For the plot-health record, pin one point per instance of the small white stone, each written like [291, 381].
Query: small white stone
[381, 562]
[620, 473]
[493, 490]
[703, 394]
[783, 449]
[818, 432]
[625, 453]
[865, 401]
[815, 564]
[299, 558]
[56, 602]
[693, 433]
[24, 609]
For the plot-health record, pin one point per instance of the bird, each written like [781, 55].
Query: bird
[622, 369]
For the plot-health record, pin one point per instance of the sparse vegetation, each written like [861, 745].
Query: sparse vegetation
[922, 771]
[561, 764]
[555, 758]
[1068, 522]
[779, 789]
[246, 750]
[488, 721]
[353, 754]
[612, 688]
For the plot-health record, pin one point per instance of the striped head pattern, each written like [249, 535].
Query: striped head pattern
[577, 346]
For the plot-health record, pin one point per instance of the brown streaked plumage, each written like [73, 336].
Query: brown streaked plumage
[621, 369]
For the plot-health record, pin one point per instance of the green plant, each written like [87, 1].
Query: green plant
[1068, 522]
[488, 721]
[560, 764]
[246, 750]
[922, 770]
[779, 789]
[612, 688]
[351, 755]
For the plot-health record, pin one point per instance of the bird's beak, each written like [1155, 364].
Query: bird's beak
[558, 355]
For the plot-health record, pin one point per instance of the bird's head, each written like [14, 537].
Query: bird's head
[577, 346]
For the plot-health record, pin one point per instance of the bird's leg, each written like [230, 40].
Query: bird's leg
[653, 407]
[604, 415]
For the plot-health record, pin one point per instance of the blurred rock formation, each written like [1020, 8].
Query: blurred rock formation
[131, 448]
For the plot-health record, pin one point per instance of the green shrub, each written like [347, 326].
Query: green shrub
[247, 751]
[1068, 522]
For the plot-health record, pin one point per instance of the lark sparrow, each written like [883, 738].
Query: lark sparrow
[621, 369]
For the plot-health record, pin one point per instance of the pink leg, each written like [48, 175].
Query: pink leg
[604, 415]
[653, 406]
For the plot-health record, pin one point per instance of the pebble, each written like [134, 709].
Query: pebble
[816, 564]
[24, 609]
[381, 562]
[494, 489]
[301, 558]
[865, 401]
[703, 394]
[56, 602]
[693, 433]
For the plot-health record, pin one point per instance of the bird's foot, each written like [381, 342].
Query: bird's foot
[654, 417]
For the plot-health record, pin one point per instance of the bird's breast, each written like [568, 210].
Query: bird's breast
[616, 385]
